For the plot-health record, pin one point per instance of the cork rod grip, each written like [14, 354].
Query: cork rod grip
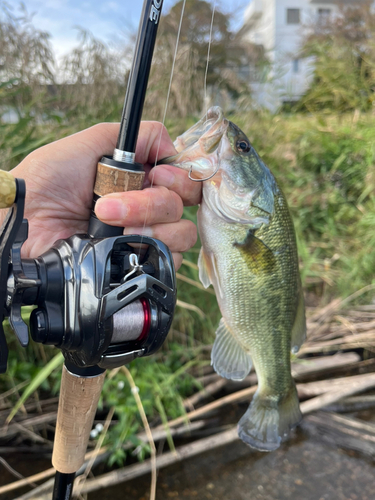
[115, 180]
[79, 398]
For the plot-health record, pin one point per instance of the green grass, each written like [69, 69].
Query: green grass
[325, 165]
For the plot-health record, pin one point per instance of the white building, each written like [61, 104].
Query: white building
[280, 26]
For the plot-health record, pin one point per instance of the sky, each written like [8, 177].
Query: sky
[106, 19]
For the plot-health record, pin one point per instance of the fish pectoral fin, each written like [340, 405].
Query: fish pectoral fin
[299, 327]
[227, 357]
[208, 273]
[258, 257]
[204, 275]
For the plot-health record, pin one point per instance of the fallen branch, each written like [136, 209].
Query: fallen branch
[360, 384]
[323, 364]
[312, 389]
[340, 331]
[223, 438]
[181, 453]
[344, 432]
[8, 431]
[157, 435]
[324, 314]
[207, 391]
[351, 404]
[30, 407]
[237, 396]
[361, 340]
[349, 386]
[42, 492]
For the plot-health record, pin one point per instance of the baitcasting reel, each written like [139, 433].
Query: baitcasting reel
[96, 299]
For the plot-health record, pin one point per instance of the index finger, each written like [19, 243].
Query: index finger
[153, 143]
[177, 180]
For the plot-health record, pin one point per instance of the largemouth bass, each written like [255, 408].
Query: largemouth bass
[249, 255]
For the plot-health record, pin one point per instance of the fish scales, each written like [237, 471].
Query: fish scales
[264, 301]
[249, 255]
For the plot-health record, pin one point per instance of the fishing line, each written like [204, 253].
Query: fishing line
[208, 59]
[164, 116]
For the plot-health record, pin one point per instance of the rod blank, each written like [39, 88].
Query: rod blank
[138, 79]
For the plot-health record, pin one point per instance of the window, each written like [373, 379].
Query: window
[324, 12]
[323, 15]
[292, 16]
[295, 65]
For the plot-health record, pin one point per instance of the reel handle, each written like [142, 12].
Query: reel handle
[8, 189]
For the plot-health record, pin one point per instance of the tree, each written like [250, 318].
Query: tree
[93, 80]
[26, 58]
[344, 52]
[189, 93]
[195, 32]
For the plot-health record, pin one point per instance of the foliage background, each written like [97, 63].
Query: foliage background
[322, 153]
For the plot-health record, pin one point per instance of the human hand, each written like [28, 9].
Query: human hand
[59, 184]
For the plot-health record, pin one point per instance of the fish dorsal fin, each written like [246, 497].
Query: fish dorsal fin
[299, 327]
[257, 255]
[208, 273]
[227, 357]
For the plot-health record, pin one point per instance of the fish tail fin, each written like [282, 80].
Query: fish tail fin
[267, 421]
[227, 357]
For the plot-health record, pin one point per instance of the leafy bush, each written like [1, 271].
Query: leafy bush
[343, 49]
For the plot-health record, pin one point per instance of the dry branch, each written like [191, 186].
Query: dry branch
[360, 384]
[207, 391]
[322, 364]
[352, 404]
[361, 340]
[181, 453]
[35, 422]
[343, 432]
[312, 389]
[157, 435]
[325, 313]
[42, 492]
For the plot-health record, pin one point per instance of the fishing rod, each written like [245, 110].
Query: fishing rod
[96, 300]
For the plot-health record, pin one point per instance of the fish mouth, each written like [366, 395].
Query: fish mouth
[198, 149]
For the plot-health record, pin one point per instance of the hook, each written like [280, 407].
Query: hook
[202, 180]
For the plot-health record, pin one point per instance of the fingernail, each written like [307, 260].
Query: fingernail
[111, 209]
[164, 177]
[144, 231]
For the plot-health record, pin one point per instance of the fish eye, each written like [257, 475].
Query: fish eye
[243, 146]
